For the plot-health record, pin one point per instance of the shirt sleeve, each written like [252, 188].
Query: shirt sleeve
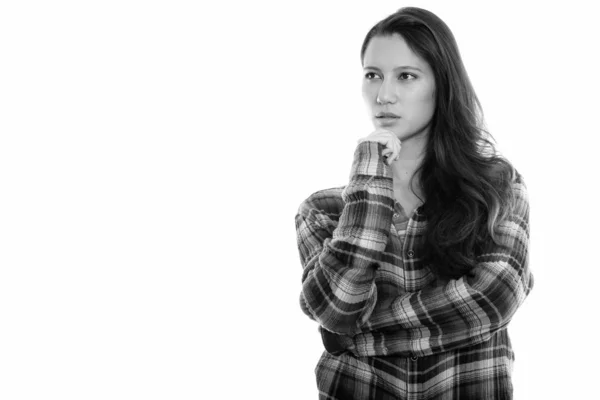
[464, 311]
[339, 262]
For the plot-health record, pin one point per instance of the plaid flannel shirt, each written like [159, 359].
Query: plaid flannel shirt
[391, 327]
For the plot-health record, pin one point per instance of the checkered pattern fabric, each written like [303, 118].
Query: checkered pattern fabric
[392, 328]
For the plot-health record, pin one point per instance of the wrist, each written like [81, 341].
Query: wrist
[369, 160]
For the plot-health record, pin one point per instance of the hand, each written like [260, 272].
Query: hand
[334, 343]
[389, 140]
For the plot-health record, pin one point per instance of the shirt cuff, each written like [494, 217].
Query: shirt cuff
[368, 160]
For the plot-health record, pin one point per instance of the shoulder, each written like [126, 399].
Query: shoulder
[518, 178]
[519, 186]
[328, 201]
[510, 187]
[509, 181]
[520, 197]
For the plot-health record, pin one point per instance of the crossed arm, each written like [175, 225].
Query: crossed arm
[340, 262]
[464, 311]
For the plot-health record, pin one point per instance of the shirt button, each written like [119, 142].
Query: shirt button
[396, 215]
[414, 358]
[410, 254]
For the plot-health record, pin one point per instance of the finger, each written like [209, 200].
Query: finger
[366, 139]
[396, 152]
[396, 156]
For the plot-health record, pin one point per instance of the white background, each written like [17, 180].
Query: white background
[153, 155]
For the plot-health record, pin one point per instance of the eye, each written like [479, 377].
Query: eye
[406, 74]
[370, 75]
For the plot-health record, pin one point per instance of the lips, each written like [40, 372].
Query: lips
[386, 115]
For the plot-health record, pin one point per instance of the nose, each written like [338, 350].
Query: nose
[387, 93]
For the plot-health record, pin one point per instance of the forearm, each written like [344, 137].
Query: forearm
[338, 288]
[465, 311]
[442, 319]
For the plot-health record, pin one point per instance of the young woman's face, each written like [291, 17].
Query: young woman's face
[396, 80]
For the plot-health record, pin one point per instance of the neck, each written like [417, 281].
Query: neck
[411, 156]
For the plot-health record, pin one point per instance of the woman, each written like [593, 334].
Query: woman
[414, 269]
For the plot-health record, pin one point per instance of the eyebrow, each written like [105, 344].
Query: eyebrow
[401, 67]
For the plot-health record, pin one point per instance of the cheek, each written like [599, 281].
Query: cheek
[421, 109]
[366, 93]
[369, 91]
[427, 102]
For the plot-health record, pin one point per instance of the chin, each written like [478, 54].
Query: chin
[399, 135]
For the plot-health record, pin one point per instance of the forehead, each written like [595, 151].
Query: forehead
[388, 52]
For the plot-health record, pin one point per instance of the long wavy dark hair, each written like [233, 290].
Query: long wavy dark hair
[467, 185]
